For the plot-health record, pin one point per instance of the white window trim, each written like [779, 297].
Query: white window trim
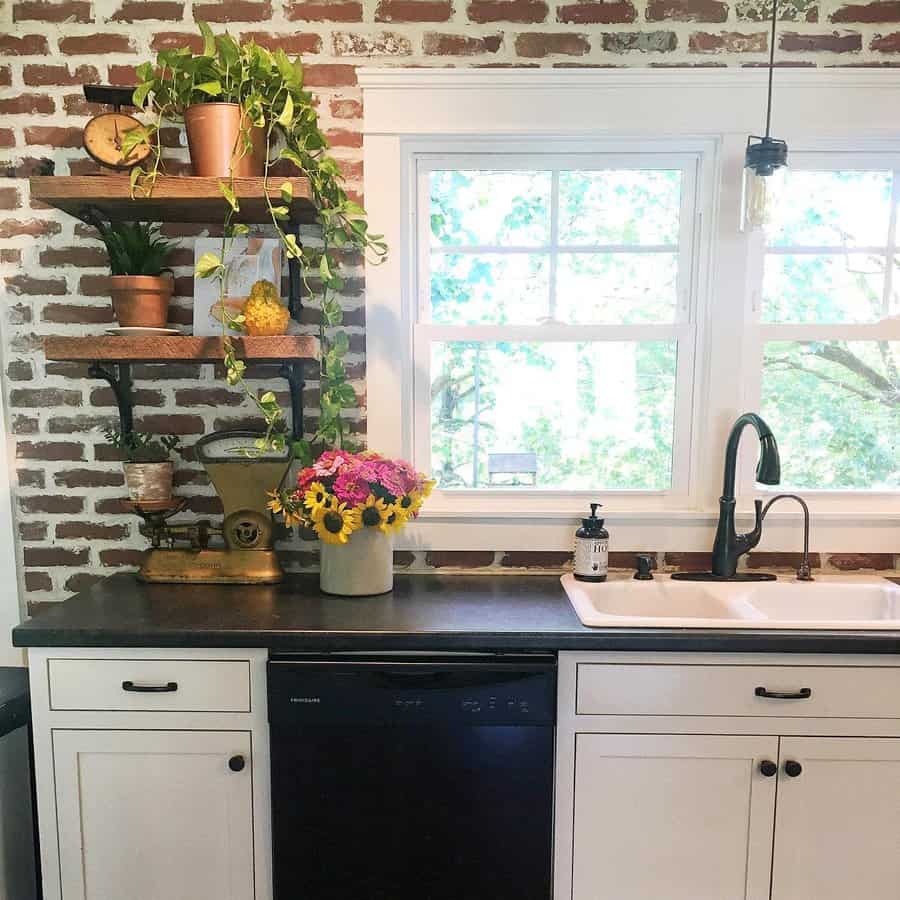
[425, 110]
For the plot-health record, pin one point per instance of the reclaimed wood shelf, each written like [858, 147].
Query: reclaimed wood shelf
[175, 198]
[168, 348]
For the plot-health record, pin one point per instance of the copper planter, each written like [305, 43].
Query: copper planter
[141, 301]
[149, 481]
[214, 141]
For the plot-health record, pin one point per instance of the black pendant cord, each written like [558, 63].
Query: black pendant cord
[771, 68]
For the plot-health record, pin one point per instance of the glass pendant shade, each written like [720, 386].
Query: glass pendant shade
[764, 169]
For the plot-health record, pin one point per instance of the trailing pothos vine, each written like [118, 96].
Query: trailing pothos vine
[268, 86]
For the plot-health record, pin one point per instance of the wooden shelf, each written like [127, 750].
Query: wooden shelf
[174, 198]
[284, 348]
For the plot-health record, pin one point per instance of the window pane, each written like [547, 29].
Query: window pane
[620, 288]
[831, 209]
[490, 209]
[835, 410]
[468, 289]
[618, 206]
[561, 416]
[843, 287]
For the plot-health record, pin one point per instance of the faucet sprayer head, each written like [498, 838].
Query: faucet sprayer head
[768, 470]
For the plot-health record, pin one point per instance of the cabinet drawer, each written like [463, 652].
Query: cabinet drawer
[155, 685]
[705, 690]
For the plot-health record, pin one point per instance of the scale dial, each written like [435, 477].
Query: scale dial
[103, 140]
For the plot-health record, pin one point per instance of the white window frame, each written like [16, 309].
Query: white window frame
[410, 112]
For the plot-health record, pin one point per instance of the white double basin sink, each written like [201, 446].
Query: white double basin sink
[830, 602]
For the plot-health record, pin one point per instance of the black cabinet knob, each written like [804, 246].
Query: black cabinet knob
[792, 768]
[236, 763]
[768, 768]
[644, 564]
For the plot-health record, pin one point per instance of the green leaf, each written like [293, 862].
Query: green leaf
[287, 113]
[139, 97]
[302, 452]
[324, 268]
[341, 343]
[212, 88]
[208, 264]
[280, 212]
[228, 194]
[239, 229]
[209, 40]
[287, 192]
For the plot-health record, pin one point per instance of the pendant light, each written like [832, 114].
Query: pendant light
[764, 160]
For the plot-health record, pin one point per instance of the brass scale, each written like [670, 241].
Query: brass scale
[239, 474]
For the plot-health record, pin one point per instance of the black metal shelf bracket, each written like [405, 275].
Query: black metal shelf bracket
[121, 384]
[292, 372]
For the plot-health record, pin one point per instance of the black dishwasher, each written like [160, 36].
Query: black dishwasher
[403, 776]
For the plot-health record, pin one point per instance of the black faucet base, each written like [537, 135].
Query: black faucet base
[709, 576]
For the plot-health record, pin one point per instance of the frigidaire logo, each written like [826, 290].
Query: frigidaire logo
[306, 699]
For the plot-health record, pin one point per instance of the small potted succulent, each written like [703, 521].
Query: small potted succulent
[140, 282]
[355, 503]
[147, 463]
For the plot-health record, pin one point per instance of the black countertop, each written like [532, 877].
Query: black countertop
[15, 710]
[424, 612]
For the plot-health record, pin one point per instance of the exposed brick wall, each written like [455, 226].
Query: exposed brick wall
[70, 525]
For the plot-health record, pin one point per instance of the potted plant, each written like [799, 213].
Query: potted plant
[146, 461]
[355, 503]
[140, 283]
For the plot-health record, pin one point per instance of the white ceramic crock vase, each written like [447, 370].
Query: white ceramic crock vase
[361, 567]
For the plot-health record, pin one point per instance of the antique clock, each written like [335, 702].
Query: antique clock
[103, 134]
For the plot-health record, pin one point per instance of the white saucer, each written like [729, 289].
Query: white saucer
[136, 332]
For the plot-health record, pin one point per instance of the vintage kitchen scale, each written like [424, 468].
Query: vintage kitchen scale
[241, 476]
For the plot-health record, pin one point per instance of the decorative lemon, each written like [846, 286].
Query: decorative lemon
[264, 313]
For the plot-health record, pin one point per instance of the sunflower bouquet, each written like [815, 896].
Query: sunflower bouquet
[343, 492]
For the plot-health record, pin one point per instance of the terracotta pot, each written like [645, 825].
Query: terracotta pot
[213, 134]
[141, 301]
[149, 481]
[362, 567]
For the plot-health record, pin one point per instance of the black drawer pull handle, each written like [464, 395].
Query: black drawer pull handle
[802, 694]
[168, 688]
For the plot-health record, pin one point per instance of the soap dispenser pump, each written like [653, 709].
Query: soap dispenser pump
[592, 548]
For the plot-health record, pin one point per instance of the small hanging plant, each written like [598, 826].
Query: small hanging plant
[268, 86]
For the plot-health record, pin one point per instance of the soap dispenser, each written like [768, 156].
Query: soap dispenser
[592, 548]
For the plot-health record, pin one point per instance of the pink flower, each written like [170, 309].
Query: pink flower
[349, 488]
[330, 462]
[305, 477]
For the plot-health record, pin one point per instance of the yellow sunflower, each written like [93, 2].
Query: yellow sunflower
[395, 519]
[275, 504]
[335, 525]
[318, 501]
[373, 512]
[427, 487]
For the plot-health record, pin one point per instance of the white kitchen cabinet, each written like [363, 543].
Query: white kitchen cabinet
[690, 812]
[661, 792]
[154, 814]
[837, 825]
[152, 774]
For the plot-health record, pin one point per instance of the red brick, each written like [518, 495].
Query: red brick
[20, 370]
[80, 256]
[5, 76]
[324, 11]
[92, 44]
[55, 556]
[689, 561]
[170, 424]
[536, 559]
[93, 285]
[41, 397]
[330, 75]
[351, 169]
[37, 581]
[213, 397]
[50, 11]
[40, 75]
[10, 198]
[88, 478]
[820, 43]
[607, 12]
[25, 285]
[534, 45]
[886, 43]
[50, 136]
[459, 559]
[76, 105]
[384, 43]
[50, 450]
[7, 137]
[522, 11]
[111, 506]
[879, 11]
[91, 531]
[345, 108]
[233, 11]
[27, 105]
[51, 503]
[338, 137]
[296, 43]
[24, 45]
[33, 531]
[32, 228]
[77, 424]
[435, 44]
[78, 582]
[142, 10]
[728, 42]
[414, 11]
[175, 40]
[121, 556]
[24, 425]
[71, 313]
[687, 11]
[103, 396]
[851, 562]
